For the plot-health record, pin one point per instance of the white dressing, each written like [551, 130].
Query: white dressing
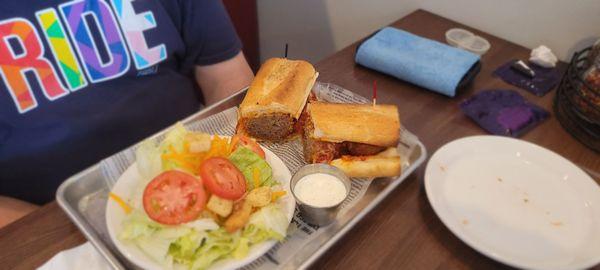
[320, 190]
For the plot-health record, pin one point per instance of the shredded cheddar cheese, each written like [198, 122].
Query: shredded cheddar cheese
[219, 147]
[184, 159]
[275, 195]
[256, 177]
[120, 202]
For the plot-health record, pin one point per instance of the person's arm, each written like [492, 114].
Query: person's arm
[221, 80]
[12, 209]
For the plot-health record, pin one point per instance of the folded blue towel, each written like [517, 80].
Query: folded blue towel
[424, 62]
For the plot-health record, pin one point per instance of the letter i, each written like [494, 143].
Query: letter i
[61, 49]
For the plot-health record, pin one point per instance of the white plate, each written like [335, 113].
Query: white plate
[126, 185]
[516, 202]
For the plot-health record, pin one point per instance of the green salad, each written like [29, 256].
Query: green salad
[201, 199]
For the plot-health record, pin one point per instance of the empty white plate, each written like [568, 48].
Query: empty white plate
[516, 202]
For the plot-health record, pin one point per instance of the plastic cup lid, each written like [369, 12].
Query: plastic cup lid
[464, 39]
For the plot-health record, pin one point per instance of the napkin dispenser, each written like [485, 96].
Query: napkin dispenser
[424, 62]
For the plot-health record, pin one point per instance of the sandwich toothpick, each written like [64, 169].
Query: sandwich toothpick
[286, 50]
[374, 92]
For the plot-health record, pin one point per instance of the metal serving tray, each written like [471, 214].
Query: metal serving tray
[83, 197]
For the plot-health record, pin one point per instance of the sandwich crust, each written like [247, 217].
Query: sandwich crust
[385, 164]
[377, 125]
[280, 86]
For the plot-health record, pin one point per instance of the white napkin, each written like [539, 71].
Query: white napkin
[543, 56]
[80, 257]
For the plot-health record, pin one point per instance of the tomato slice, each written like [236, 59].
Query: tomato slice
[222, 178]
[241, 140]
[174, 197]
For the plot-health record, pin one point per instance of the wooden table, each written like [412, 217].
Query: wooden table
[403, 231]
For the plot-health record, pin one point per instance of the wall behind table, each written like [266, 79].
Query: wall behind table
[317, 28]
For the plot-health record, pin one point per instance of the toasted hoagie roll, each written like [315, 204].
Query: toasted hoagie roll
[369, 166]
[360, 139]
[275, 99]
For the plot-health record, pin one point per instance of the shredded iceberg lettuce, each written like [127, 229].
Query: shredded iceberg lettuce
[150, 237]
[148, 160]
[197, 245]
[204, 224]
[267, 223]
[174, 141]
[218, 245]
[149, 165]
[174, 138]
[137, 224]
[242, 248]
[183, 249]
[156, 248]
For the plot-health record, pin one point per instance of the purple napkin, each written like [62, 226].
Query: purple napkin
[545, 78]
[503, 112]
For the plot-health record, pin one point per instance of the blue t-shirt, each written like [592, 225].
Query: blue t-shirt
[83, 79]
